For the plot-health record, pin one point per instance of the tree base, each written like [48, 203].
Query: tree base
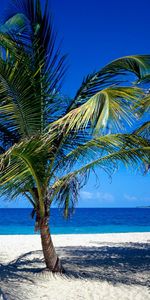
[58, 267]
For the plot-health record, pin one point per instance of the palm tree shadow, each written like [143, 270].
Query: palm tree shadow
[19, 275]
[124, 263]
[23, 268]
[128, 264]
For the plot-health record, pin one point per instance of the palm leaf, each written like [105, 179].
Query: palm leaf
[67, 196]
[111, 104]
[16, 24]
[103, 145]
[145, 104]
[22, 168]
[136, 64]
[38, 37]
[31, 30]
[20, 108]
[105, 152]
[98, 148]
[139, 65]
[110, 162]
[144, 80]
[144, 130]
[130, 157]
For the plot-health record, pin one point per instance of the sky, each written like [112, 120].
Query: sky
[95, 33]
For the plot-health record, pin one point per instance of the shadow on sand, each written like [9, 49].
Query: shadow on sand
[128, 264]
[124, 263]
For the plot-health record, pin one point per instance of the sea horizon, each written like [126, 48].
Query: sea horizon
[98, 207]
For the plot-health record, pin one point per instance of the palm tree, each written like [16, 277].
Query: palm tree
[49, 144]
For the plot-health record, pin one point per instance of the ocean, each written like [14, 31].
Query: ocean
[84, 220]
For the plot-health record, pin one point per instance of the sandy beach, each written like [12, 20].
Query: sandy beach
[98, 267]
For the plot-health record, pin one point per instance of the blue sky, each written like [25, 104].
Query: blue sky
[94, 33]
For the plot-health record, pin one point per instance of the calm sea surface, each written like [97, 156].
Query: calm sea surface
[84, 220]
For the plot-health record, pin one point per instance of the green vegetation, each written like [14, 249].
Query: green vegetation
[50, 144]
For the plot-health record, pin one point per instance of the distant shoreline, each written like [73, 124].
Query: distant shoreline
[143, 207]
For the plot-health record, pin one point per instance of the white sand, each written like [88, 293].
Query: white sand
[98, 267]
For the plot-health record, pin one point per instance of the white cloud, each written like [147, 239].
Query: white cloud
[101, 197]
[86, 195]
[104, 197]
[130, 197]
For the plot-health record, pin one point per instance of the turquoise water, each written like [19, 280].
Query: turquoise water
[85, 220]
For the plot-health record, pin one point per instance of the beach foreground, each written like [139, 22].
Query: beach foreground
[99, 266]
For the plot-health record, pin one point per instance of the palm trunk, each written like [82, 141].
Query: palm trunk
[51, 259]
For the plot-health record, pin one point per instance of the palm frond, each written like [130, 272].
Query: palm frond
[136, 64]
[105, 152]
[22, 168]
[20, 108]
[113, 104]
[130, 157]
[110, 162]
[32, 27]
[144, 81]
[67, 196]
[142, 108]
[7, 138]
[104, 145]
[139, 65]
[31, 30]
[145, 104]
[144, 130]
[15, 24]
